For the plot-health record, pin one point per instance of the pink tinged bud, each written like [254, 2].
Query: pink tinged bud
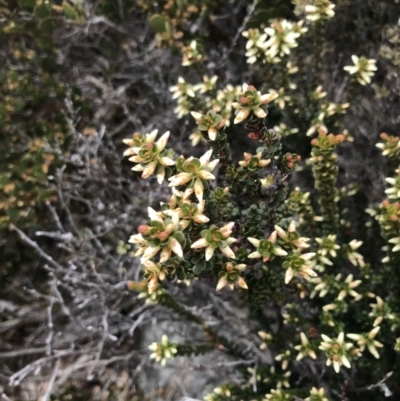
[259, 112]
[212, 134]
[197, 116]
[241, 116]
[165, 254]
[209, 252]
[143, 229]
[201, 243]
[199, 189]
[227, 251]
[149, 169]
[176, 247]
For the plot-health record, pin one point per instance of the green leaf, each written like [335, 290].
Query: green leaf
[159, 23]
[180, 237]
[42, 11]
[69, 11]
[199, 268]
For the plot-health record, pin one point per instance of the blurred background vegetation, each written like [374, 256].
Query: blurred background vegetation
[76, 77]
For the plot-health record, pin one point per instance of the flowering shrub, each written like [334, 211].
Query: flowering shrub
[242, 225]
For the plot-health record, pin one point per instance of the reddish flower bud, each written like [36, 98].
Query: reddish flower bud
[254, 135]
[163, 235]
[143, 229]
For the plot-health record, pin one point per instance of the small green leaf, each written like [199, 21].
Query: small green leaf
[199, 268]
[42, 11]
[69, 11]
[159, 23]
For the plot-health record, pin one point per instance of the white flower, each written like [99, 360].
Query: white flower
[363, 69]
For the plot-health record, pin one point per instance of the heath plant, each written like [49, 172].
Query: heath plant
[244, 225]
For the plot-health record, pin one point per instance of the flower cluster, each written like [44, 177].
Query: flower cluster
[211, 122]
[274, 43]
[367, 340]
[162, 351]
[251, 102]
[319, 10]
[305, 348]
[194, 173]
[150, 156]
[281, 36]
[278, 395]
[183, 92]
[216, 238]
[394, 191]
[363, 69]
[191, 54]
[390, 146]
[231, 276]
[336, 351]
[317, 394]
[380, 311]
